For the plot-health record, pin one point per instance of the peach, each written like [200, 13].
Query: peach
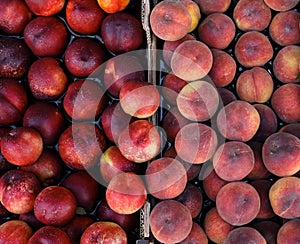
[114, 120]
[217, 30]
[112, 162]
[139, 141]
[194, 12]
[47, 79]
[192, 198]
[170, 221]
[292, 128]
[113, 6]
[215, 227]
[284, 197]
[46, 36]
[223, 68]
[139, 99]
[126, 193]
[119, 69]
[22, 146]
[165, 178]
[198, 101]
[233, 160]
[281, 5]
[18, 190]
[226, 96]
[13, 101]
[284, 28]
[238, 120]
[286, 64]
[259, 170]
[50, 234]
[121, 32]
[191, 60]
[197, 235]
[268, 122]
[15, 58]
[15, 16]
[15, 231]
[170, 20]
[172, 122]
[244, 235]
[213, 6]
[255, 85]
[106, 232]
[238, 203]
[286, 102]
[252, 15]
[289, 232]
[211, 182]
[81, 144]
[170, 46]
[84, 100]
[171, 86]
[45, 8]
[196, 143]
[281, 154]
[253, 49]
[83, 56]
[55, 205]
[268, 229]
[89, 11]
[192, 170]
[262, 187]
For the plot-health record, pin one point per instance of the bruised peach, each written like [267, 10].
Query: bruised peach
[215, 227]
[253, 49]
[217, 30]
[284, 197]
[139, 141]
[238, 203]
[244, 235]
[233, 160]
[286, 102]
[284, 28]
[223, 68]
[286, 64]
[196, 143]
[268, 122]
[191, 60]
[238, 120]
[198, 101]
[170, 20]
[126, 193]
[139, 99]
[165, 178]
[252, 15]
[255, 85]
[170, 221]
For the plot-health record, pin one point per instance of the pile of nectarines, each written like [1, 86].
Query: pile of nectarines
[188, 107]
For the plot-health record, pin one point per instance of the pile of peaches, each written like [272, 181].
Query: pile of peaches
[209, 136]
